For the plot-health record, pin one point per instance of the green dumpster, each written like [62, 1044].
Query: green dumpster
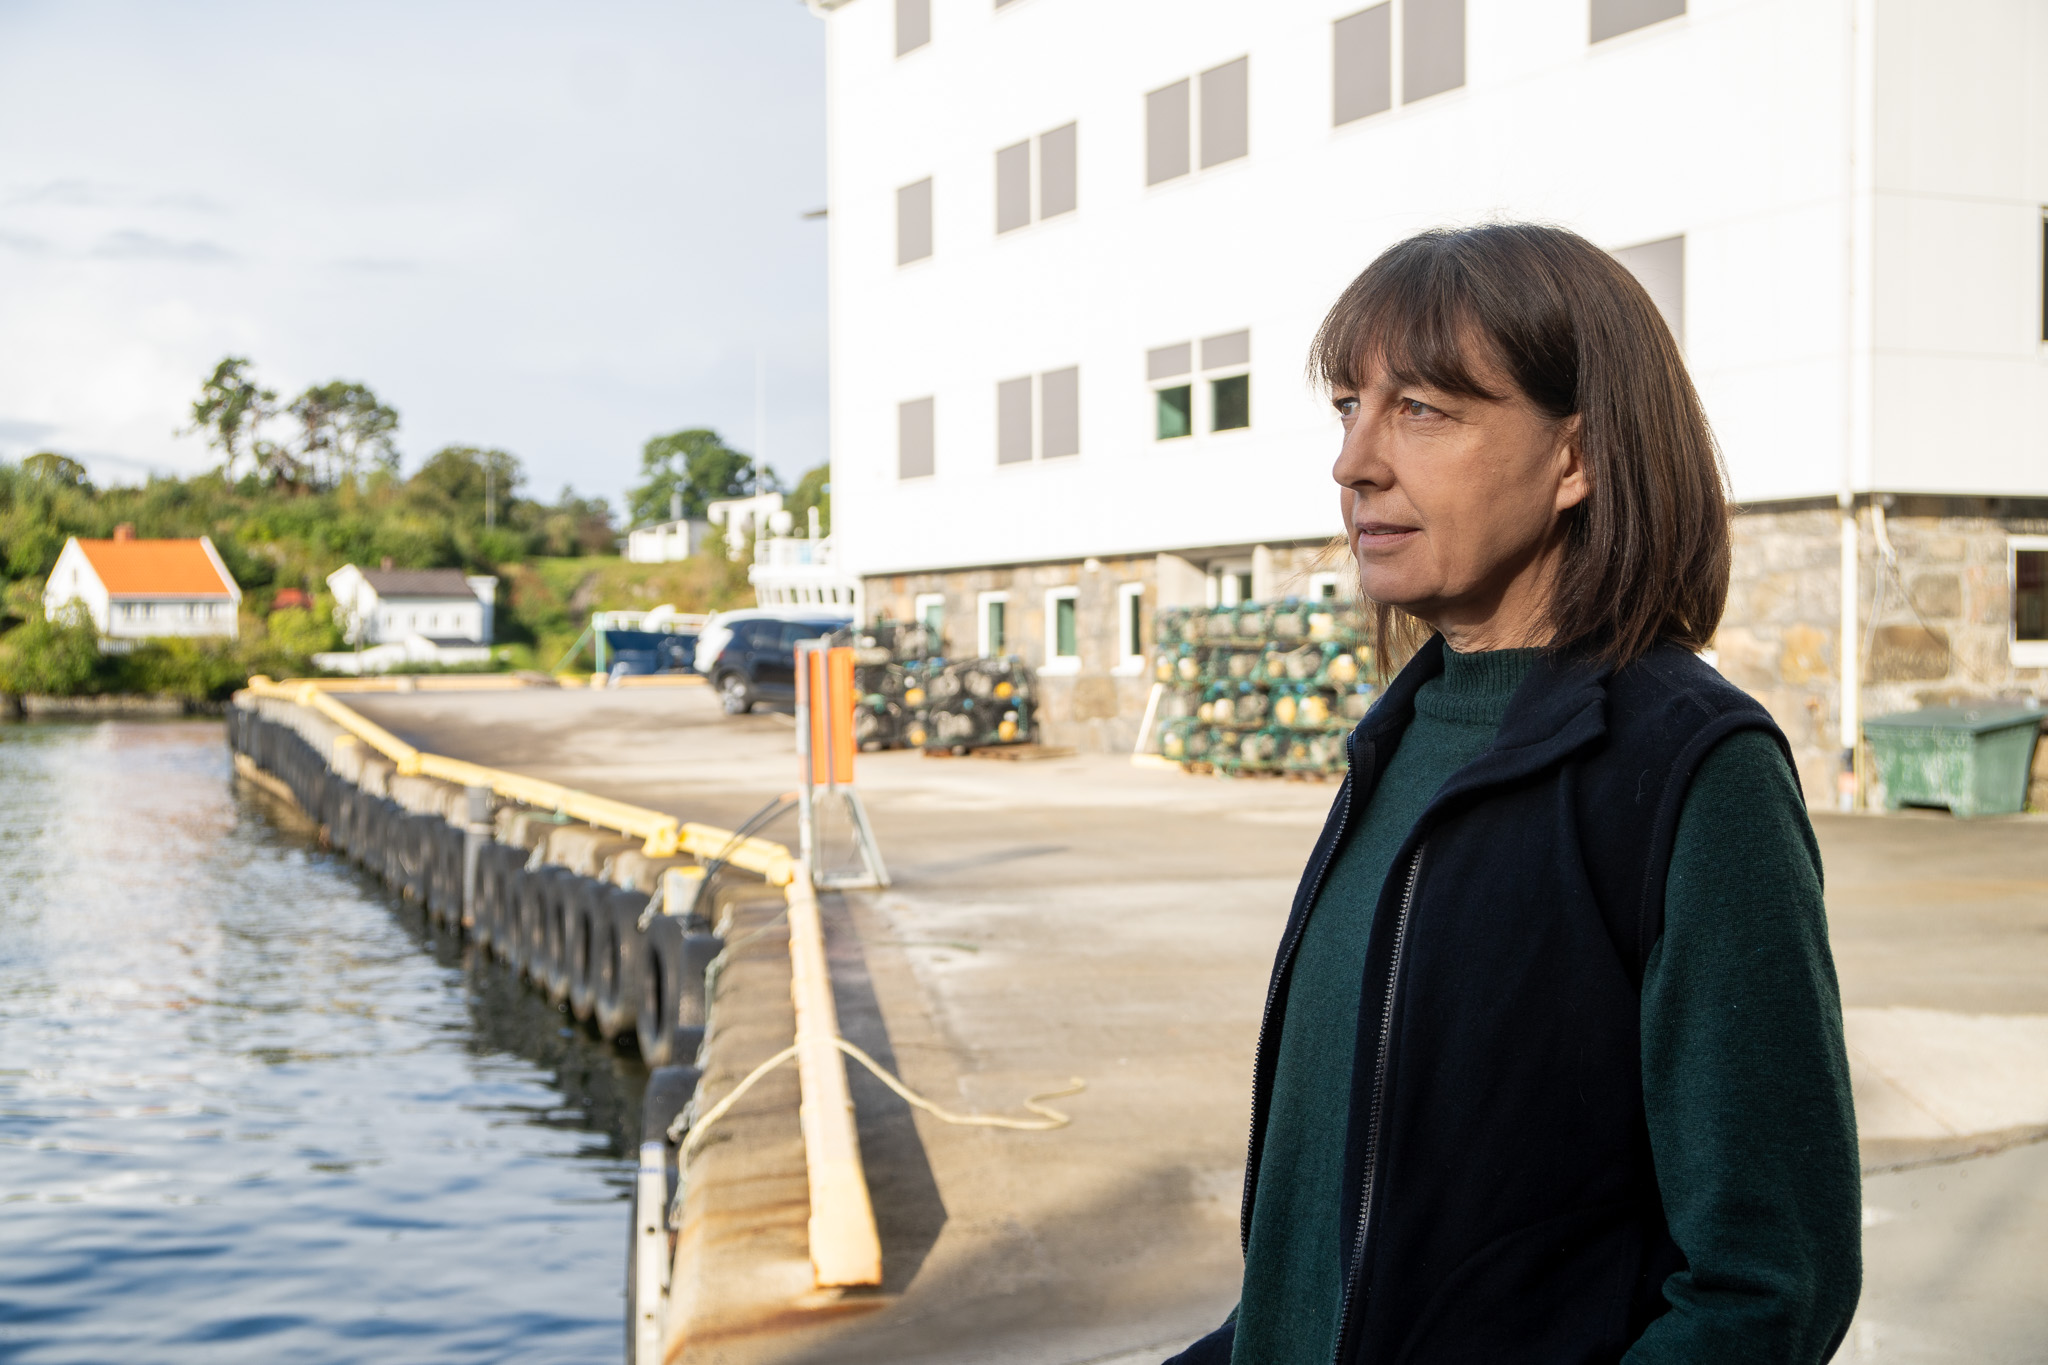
[1971, 759]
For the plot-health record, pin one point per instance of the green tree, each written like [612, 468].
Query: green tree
[697, 465]
[230, 412]
[58, 471]
[478, 483]
[814, 489]
[342, 425]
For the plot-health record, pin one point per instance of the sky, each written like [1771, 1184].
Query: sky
[555, 229]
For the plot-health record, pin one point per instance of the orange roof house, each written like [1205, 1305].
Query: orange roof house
[143, 589]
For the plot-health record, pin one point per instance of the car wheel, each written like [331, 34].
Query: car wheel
[734, 695]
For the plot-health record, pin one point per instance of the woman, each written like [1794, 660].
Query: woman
[1552, 1066]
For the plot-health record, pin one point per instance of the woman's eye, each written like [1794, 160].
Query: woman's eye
[1347, 407]
[1415, 407]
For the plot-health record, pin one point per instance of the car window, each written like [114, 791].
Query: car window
[792, 631]
[758, 634]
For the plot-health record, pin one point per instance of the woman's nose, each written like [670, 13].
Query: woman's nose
[1359, 458]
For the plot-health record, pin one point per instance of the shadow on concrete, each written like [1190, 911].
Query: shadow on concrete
[909, 1213]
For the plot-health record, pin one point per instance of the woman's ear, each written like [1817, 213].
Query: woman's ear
[1574, 480]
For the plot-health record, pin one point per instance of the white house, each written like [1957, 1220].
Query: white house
[386, 606]
[145, 589]
[666, 541]
[1078, 251]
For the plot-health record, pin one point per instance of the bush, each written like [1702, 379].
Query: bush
[60, 657]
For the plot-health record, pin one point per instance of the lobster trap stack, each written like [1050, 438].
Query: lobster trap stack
[912, 697]
[1265, 687]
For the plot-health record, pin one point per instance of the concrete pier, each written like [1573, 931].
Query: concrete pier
[1081, 917]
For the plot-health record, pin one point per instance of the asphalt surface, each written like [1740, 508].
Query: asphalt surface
[1080, 917]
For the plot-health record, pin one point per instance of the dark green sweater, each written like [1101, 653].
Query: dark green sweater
[1744, 1076]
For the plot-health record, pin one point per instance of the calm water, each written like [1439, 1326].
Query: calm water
[250, 1111]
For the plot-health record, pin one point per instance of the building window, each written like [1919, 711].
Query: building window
[1230, 583]
[1226, 114]
[1230, 395]
[914, 222]
[1323, 587]
[931, 613]
[1173, 400]
[1013, 421]
[1362, 57]
[2029, 601]
[1612, 18]
[1166, 133]
[992, 631]
[1013, 186]
[1059, 164]
[1660, 267]
[1130, 626]
[1432, 48]
[1059, 413]
[913, 25]
[1062, 630]
[915, 447]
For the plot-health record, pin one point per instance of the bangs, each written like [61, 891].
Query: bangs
[1414, 316]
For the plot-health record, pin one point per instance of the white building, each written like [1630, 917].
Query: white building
[666, 541]
[388, 606]
[145, 589]
[1078, 251]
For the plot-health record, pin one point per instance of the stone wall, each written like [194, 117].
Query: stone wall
[1099, 706]
[1934, 617]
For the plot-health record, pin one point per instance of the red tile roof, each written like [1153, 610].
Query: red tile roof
[155, 568]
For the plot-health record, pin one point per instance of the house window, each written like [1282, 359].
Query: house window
[1659, 267]
[1230, 583]
[1323, 587]
[913, 25]
[1166, 133]
[1432, 48]
[992, 631]
[1226, 117]
[914, 222]
[1362, 58]
[915, 447]
[1130, 626]
[1062, 630]
[2029, 601]
[1013, 421]
[1225, 359]
[1612, 18]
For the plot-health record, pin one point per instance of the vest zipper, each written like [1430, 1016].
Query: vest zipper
[1379, 1095]
[1251, 1166]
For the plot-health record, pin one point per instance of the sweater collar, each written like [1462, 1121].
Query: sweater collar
[1561, 706]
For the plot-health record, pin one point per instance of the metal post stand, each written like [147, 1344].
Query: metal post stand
[825, 748]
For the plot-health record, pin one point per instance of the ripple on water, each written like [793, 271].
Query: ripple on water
[246, 1113]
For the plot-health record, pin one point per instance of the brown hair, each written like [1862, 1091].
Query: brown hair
[1646, 554]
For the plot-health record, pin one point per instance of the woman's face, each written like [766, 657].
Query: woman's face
[1454, 505]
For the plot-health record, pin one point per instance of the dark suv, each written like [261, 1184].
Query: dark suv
[758, 661]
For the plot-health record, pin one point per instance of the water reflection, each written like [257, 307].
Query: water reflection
[249, 1110]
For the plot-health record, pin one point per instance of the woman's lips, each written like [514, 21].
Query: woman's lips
[1380, 535]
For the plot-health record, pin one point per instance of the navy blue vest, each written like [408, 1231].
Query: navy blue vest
[1502, 1203]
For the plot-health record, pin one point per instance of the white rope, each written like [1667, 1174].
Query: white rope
[1051, 1118]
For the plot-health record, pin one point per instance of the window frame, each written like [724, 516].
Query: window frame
[1333, 581]
[1130, 640]
[2022, 653]
[1056, 662]
[920, 608]
[982, 602]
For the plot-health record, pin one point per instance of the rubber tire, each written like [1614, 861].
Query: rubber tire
[735, 696]
[523, 912]
[670, 1019]
[580, 944]
[615, 1002]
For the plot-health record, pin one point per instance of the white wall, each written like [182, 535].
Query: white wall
[72, 580]
[1730, 125]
